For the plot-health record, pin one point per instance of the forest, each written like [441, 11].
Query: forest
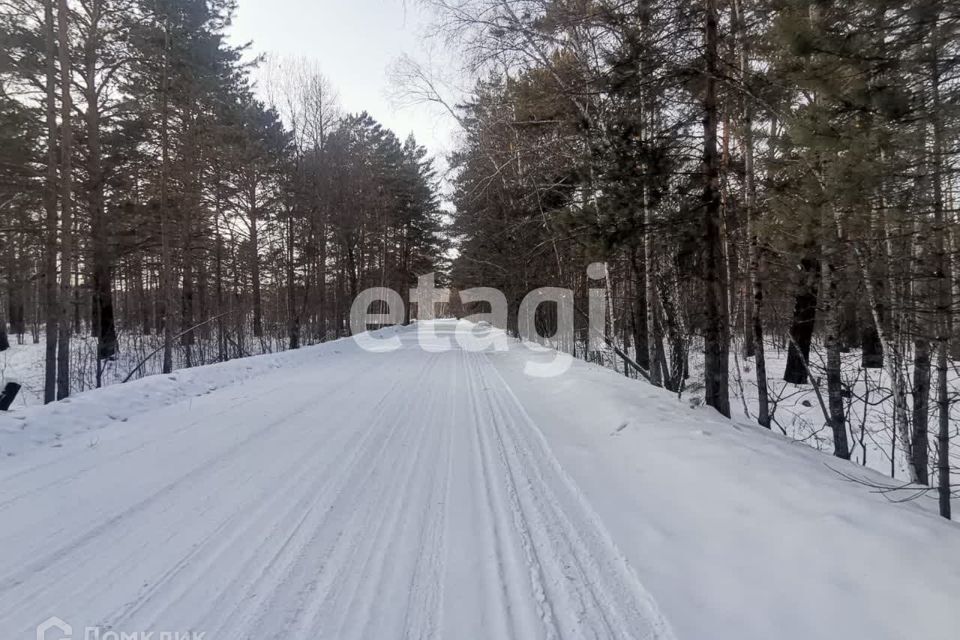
[758, 176]
[151, 200]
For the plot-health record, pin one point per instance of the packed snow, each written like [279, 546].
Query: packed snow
[333, 492]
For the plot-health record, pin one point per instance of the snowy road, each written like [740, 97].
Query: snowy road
[375, 496]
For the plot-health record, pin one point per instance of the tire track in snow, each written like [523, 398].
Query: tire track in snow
[348, 597]
[329, 538]
[171, 499]
[61, 476]
[511, 537]
[276, 515]
[308, 547]
[425, 603]
[88, 537]
[572, 556]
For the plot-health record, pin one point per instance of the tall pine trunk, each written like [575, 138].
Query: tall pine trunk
[255, 266]
[654, 338]
[104, 328]
[293, 313]
[919, 443]
[66, 201]
[944, 299]
[753, 300]
[836, 413]
[716, 313]
[166, 262]
[51, 248]
[804, 314]
[640, 333]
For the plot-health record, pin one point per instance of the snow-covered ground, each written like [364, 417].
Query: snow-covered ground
[869, 407]
[337, 493]
[24, 363]
[796, 411]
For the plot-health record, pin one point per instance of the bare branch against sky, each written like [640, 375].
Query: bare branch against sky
[356, 44]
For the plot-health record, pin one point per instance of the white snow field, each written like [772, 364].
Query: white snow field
[337, 493]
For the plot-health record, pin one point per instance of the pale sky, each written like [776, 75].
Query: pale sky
[354, 42]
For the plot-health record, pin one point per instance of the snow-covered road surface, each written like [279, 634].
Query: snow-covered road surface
[373, 496]
[335, 493]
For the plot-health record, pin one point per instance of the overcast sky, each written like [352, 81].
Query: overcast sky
[354, 42]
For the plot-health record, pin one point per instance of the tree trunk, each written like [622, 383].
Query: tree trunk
[678, 343]
[66, 201]
[4, 340]
[717, 327]
[654, 338]
[293, 313]
[753, 300]
[166, 266]
[640, 333]
[750, 190]
[944, 298]
[255, 270]
[103, 328]
[222, 352]
[187, 224]
[953, 254]
[51, 249]
[870, 344]
[187, 302]
[9, 265]
[804, 317]
[919, 443]
[322, 297]
[943, 435]
[838, 421]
